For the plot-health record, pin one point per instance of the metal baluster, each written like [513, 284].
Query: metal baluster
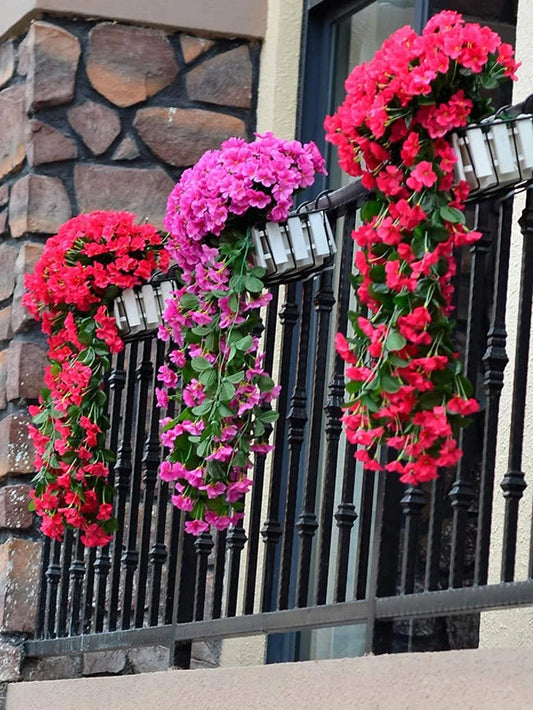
[513, 482]
[203, 546]
[41, 605]
[130, 556]
[235, 541]
[271, 530]
[53, 575]
[307, 521]
[494, 361]
[220, 568]
[65, 584]
[412, 504]
[77, 572]
[364, 537]
[333, 429]
[434, 533]
[345, 517]
[259, 469]
[122, 475]
[150, 462]
[158, 553]
[462, 491]
[173, 569]
[297, 420]
[88, 604]
[102, 565]
[183, 589]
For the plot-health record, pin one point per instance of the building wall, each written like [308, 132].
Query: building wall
[514, 627]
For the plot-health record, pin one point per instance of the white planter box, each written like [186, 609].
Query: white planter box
[302, 245]
[140, 309]
[495, 154]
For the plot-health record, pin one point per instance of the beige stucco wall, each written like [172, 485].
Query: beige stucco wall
[230, 17]
[492, 679]
[514, 627]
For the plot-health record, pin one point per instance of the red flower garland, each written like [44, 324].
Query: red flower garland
[407, 386]
[80, 272]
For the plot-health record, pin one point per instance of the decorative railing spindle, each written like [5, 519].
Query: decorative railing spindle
[203, 546]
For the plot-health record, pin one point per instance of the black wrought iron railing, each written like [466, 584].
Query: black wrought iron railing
[323, 543]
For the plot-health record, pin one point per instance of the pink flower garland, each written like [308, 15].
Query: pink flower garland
[215, 372]
[406, 384]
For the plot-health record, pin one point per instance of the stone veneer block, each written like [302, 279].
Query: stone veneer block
[97, 125]
[38, 203]
[19, 584]
[4, 195]
[6, 331]
[10, 662]
[3, 222]
[127, 150]
[20, 317]
[12, 120]
[193, 47]
[8, 256]
[45, 144]
[14, 501]
[142, 191]
[7, 62]
[129, 64]
[28, 256]
[3, 378]
[25, 369]
[226, 79]
[180, 136]
[53, 61]
[16, 448]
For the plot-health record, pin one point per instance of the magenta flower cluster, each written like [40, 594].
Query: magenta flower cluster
[214, 381]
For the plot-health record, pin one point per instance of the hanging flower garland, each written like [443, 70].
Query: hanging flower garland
[215, 371]
[406, 383]
[82, 269]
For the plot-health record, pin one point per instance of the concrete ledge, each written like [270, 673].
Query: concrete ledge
[241, 18]
[480, 679]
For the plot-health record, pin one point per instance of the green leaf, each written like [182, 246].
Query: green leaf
[199, 364]
[253, 284]
[224, 410]
[265, 383]
[202, 409]
[377, 273]
[244, 343]
[234, 303]
[189, 301]
[237, 283]
[208, 377]
[269, 416]
[451, 214]
[236, 377]
[390, 384]
[227, 391]
[370, 209]
[394, 341]
[428, 400]
[258, 271]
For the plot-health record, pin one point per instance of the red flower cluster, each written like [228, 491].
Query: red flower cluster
[406, 383]
[81, 270]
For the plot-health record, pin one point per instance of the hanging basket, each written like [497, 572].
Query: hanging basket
[495, 154]
[301, 246]
[140, 309]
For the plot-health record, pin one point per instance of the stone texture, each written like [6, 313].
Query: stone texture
[8, 256]
[3, 222]
[3, 378]
[149, 659]
[97, 125]
[4, 195]
[10, 662]
[52, 668]
[5, 323]
[25, 366]
[103, 662]
[53, 61]
[12, 120]
[144, 192]
[19, 584]
[45, 144]
[24, 56]
[14, 501]
[21, 320]
[193, 47]
[28, 256]
[38, 203]
[180, 136]
[16, 448]
[129, 64]
[225, 79]
[7, 62]
[127, 150]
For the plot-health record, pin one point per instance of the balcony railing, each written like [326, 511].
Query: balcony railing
[323, 543]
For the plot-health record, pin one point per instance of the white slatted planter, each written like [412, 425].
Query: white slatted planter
[302, 245]
[495, 154]
[141, 309]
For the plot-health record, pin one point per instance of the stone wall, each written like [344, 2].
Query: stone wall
[93, 115]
